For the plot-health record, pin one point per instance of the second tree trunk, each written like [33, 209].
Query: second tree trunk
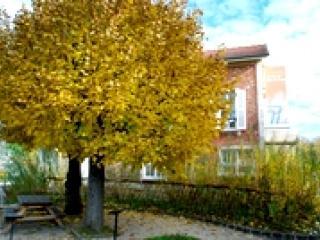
[94, 218]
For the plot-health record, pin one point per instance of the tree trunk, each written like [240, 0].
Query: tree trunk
[73, 203]
[94, 218]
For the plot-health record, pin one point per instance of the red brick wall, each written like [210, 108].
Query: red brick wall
[246, 74]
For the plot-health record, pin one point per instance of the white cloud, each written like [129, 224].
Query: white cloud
[12, 6]
[292, 8]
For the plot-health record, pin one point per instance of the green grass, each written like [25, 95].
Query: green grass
[173, 237]
[88, 232]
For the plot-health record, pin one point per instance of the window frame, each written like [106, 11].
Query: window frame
[237, 163]
[281, 115]
[144, 173]
[240, 111]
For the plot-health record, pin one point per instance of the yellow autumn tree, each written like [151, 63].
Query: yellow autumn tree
[116, 81]
[19, 131]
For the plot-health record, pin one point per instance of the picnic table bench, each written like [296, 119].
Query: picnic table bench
[31, 208]
[41, 204]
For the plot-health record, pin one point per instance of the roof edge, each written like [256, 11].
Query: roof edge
[245, 53]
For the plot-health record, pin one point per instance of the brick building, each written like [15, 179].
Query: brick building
[245, 126]
[258, 115]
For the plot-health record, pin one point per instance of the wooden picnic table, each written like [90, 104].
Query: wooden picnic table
[32, 208]
[34, 200]
[37, 208]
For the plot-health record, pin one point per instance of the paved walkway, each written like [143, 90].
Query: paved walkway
[137, 226]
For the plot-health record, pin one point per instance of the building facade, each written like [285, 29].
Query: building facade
[245, 126]
[259, 114]
[276, 113]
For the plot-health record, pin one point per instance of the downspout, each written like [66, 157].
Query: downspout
[260, 103]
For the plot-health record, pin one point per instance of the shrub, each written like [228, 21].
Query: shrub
[282, 194]
[23, 174]
[172, 237]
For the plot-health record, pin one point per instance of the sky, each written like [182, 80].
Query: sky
[290, 28]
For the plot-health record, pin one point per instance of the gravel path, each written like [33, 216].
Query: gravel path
[38, 231]
[137, 226]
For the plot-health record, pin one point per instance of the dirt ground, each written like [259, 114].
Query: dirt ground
[136, 226]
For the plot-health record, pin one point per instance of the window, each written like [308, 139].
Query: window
[235, 162]
[148, 172]
[275, 115]
[237, 117]
[228, 162]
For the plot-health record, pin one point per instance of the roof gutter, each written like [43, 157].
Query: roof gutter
[245, 59]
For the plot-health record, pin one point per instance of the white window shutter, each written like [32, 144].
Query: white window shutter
[218, 119]
[218, 114]
[143, 171]
[241, 108]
